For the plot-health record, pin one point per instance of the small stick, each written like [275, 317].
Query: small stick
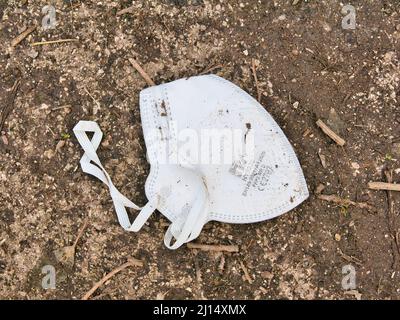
[253, 68]
[81, 232]
[22, 36]
[130, 263]
[221, 265]
[246, 273]
[52, 42]
[210, 247]
[384, 186]
[330, 133]
[343, 202]
[143, 73]
[306, 132]
[198, 271]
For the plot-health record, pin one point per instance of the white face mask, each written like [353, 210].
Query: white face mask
[215, 154]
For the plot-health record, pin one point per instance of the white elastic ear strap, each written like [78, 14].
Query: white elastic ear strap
[193, 224]
[97, 170]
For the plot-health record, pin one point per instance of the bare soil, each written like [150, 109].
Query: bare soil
[309, 68]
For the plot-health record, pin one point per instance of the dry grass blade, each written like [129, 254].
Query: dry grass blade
[130, 263]
[209, 247]
[41, 43]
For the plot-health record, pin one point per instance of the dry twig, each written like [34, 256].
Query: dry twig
[143, 73]
[210, 247]
[80, 233]
[384, 186]
[330, 133]
[22, 36]
[130, 263]
[306, 132]
[343, 202]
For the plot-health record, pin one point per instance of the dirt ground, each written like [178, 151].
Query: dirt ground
[309, 68]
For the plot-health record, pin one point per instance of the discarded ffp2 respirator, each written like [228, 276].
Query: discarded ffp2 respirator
[215, 154]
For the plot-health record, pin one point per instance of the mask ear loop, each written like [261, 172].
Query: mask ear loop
[97, 170]
[194, 223]
[201, 221]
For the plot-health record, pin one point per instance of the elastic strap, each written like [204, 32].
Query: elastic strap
[97, 170]
[193, 224]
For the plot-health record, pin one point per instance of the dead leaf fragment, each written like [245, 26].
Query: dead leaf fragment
[59, 145]
[322, 158]
[66, 256]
